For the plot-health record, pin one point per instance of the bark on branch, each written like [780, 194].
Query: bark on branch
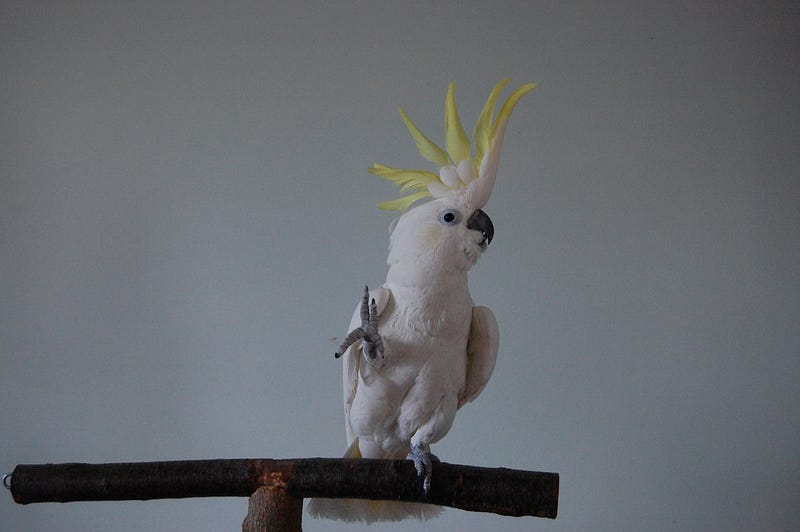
[497, 490]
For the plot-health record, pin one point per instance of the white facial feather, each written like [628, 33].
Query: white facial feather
[423, 244]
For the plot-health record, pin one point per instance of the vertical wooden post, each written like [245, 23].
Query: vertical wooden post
[273, 509]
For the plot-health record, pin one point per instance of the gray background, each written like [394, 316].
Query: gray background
[186, 222]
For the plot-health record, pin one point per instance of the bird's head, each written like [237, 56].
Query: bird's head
[451, 228]
[445, 233]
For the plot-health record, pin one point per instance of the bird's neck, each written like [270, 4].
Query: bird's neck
[417, 275]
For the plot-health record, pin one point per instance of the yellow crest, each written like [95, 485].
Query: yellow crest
[459, 168]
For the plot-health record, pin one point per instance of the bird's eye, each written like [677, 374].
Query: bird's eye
[450, 217]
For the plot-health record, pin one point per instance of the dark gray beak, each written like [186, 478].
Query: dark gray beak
[480, 221]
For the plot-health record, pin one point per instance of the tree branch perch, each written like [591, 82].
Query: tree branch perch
[497, 490]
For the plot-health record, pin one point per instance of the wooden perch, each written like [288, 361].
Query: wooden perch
[284, 483]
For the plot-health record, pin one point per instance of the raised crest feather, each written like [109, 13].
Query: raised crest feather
[427, 148]
[458, 145]
[483, 126]
[476, 174]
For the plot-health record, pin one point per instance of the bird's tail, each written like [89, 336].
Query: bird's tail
[369, 511]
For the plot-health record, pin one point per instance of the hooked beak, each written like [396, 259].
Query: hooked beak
[480, 221]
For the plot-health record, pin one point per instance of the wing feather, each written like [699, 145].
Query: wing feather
[482, 347]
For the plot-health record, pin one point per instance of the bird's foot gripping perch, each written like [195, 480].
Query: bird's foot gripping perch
[372, 342]
[423, 462]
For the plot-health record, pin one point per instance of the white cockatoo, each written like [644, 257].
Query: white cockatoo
[419, 349]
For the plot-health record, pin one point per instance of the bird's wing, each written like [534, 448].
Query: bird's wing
[353, 357]
[482, 346]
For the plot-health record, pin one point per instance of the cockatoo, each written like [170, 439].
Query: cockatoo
[419, 349]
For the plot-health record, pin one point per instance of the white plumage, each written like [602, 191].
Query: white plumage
[439, 349]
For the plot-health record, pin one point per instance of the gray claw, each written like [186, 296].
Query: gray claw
[368, 332]
[423, 463]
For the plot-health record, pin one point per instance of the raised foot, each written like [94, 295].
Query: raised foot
[423, 463]
[368, 332]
